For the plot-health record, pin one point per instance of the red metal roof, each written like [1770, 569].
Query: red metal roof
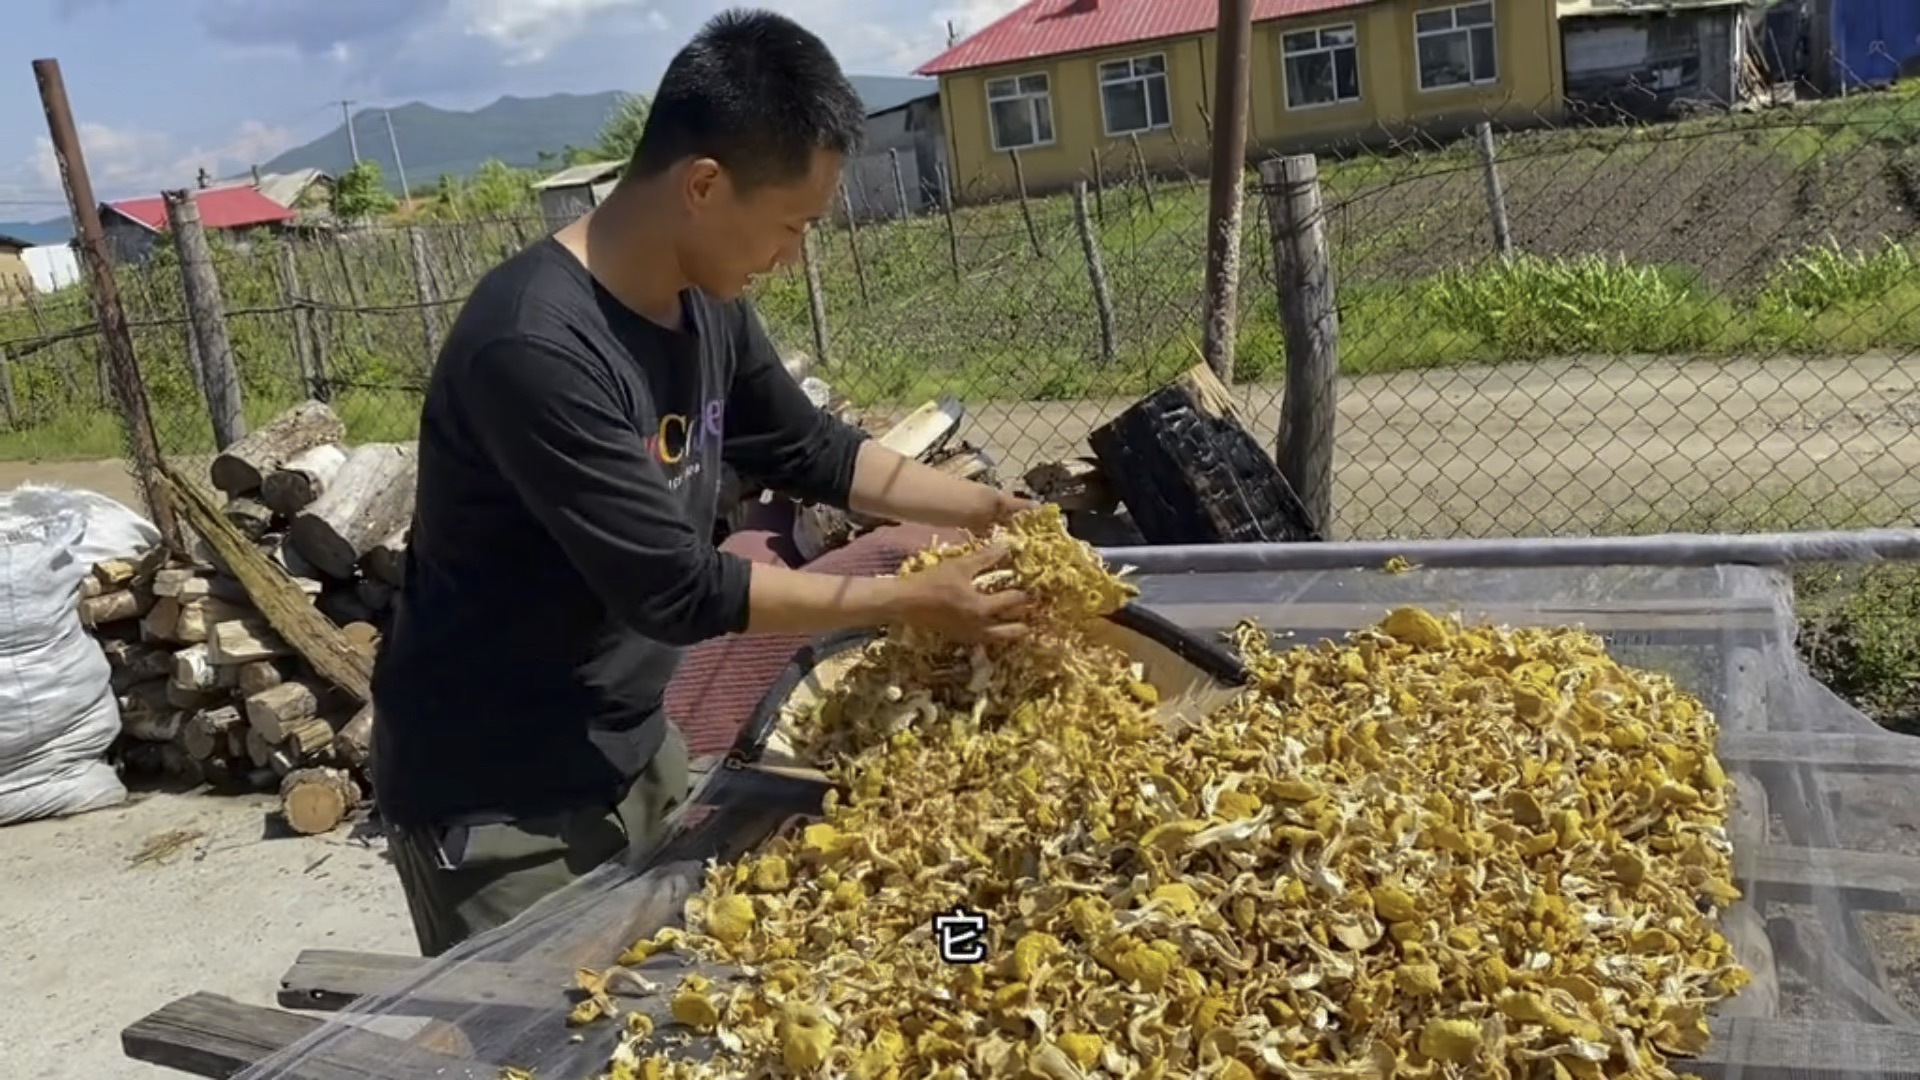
[1044, 28]
[220, 208]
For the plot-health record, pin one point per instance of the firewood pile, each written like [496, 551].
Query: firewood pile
[208, 690]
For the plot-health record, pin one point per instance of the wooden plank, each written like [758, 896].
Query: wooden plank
[324, 980]
[1866, 753]
[1863, 879]
[210, 1035]
[1749, 1048]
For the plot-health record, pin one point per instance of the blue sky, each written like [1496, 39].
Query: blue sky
[163, 88]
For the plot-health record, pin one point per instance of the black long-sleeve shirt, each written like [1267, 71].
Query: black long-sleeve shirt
[561, 549]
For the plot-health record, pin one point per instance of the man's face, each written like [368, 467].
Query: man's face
[733, 238]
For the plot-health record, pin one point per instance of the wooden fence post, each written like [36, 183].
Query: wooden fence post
[900, 185]
[1140, 171]
[1496, 198]
[306, 347]
[6, 392]
[1026, 209]
[816, 300]
[1099, 187]
[207, 313]
[429, 296]
[853, 242]
[1096, 274]
[1303, 271]
[946, 210]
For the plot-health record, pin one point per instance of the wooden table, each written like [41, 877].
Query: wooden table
[1788, 861]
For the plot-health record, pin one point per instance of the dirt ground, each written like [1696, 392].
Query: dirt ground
[95, 941]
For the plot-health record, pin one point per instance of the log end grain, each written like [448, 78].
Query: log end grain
[240, 468]
[317, 800]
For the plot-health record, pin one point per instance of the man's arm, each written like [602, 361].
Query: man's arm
[782, 439]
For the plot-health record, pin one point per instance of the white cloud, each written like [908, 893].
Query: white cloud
[528, 31]
[124, 162]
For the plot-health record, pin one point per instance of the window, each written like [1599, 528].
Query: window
[1133, 94]
[1322, 66]
[1021, 111]
[1454, 46]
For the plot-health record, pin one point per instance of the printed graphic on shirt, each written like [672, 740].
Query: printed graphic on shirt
[683, 443]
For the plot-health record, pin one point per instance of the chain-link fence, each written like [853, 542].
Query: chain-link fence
[1709, 322]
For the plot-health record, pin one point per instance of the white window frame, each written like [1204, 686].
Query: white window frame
[1453, 15]
[1101, 82]
[1037, 101]
[1320, 46]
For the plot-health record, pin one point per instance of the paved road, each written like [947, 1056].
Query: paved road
[1556, 447]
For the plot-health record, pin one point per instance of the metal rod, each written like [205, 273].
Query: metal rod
[1665, 549]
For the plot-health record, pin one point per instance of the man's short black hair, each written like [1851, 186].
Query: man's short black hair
[756, 92]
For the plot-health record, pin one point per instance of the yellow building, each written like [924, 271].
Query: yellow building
[1061, 81]
[15, 280]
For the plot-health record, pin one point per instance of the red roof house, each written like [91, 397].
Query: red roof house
[220, 208]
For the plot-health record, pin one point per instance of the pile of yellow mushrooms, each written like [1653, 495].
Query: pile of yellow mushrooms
[1433, 850]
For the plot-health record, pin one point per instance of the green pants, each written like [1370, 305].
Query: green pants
[465, 880]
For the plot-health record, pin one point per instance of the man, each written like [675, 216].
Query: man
[570, 452]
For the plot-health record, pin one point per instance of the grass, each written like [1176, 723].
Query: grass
[976, 310]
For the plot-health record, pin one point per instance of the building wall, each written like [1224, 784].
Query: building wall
[15, 281]
[1645, 65]
[1526, 89]
[560, 206]
[127, 241]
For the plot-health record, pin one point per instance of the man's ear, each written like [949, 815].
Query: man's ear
[700, 182]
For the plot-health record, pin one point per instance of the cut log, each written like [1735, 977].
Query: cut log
[259, 675]
[250, 516]
[363, 635]
[153, 727]
[240, 468]
[237, 741]
[224, 587]
[112, 607]
[317, 800]
[193, 669]
[181, 582]
[965, 462]
[115, 573]
[90, 587]
[161, 621]
[192, 700]
[1076, 485]
[353, 743]
[370, 497]
[1190, 473]
[273, 710]
[205, 734]
[388, 560]
[259, 750]
[133, 662]
[242, 641]
[819, 529]
[305, 739]
[198, 617]
[303, 478]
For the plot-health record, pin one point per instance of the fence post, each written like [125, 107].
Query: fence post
[1026, 209]
[1303, 271]
[1140, 171]
[900, 185]
[306, 348]
[946, 210]
[1496, 199]
[423, 287]
[853, 241]
[6, 391]
[816, 300]
[1099, 187]
[1097, 274]
[207, 315]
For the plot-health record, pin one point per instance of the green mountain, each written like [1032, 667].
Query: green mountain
[435, 142]
[56, 231]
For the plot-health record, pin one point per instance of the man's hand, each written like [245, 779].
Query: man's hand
[945, 600]
[998, 508]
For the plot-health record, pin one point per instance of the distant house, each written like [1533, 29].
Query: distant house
[1063, 82]
[571, 192]
[1650, 58]
[53, 266]
[302, 190]
[912, 133]
[15, 280]
[133, 225]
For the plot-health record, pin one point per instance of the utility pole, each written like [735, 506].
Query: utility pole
[353, 141]
[394, 141]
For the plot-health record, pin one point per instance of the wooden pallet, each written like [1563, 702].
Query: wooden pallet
[207, 1035]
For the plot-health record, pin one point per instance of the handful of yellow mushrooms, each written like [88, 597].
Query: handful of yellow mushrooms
[1433, 850]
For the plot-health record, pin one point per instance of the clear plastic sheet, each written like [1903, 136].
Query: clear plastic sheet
[1837, 959]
